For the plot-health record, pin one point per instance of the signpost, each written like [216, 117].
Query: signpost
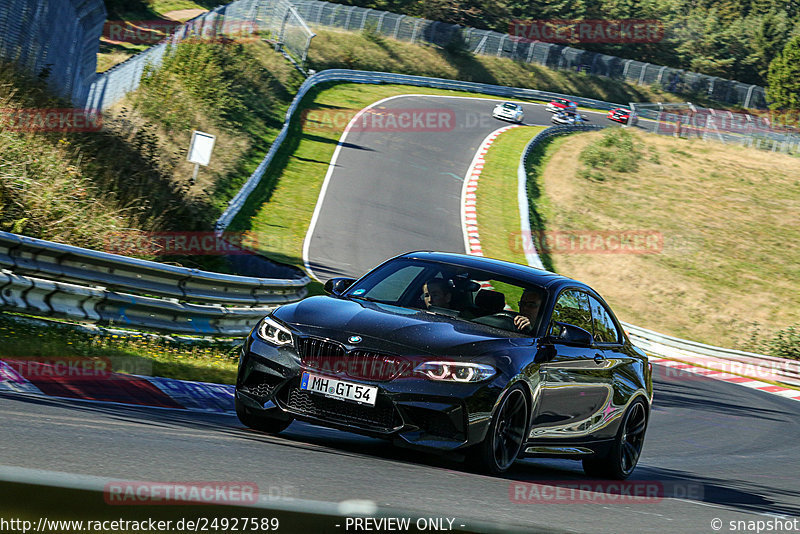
[200, 151]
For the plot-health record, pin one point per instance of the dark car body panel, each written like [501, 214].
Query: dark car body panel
[577, 401]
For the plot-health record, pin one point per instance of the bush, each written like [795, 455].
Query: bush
[785, 343]
[616, 150]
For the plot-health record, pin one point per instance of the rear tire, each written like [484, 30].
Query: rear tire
[621, 459]
[506, 435]
[270, 425]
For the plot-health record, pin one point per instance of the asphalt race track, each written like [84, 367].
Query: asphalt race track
[391, 192]
[722, 450]
[714, 450]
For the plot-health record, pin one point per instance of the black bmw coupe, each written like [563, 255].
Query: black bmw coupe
[443, 351]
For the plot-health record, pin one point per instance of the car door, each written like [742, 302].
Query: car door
[610, 342]
[575, 379]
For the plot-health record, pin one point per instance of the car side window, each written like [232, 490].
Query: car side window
[605, 331]
[572, 307]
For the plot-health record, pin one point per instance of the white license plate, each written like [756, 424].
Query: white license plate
[339, 389]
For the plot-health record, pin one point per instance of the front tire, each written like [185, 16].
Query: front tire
[266, 424]
[506, 434]
[621, 460]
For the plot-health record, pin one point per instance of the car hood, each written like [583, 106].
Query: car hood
[394, 329]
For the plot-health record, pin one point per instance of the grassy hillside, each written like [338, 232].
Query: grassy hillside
[132, 175]
[728, 269]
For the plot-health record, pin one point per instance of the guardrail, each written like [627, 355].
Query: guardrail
[43, 278]
[66, 263]
[36, 296]
[356, 76]
[653, 342]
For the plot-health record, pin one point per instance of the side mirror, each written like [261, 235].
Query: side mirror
[572, 335]
[337, 286]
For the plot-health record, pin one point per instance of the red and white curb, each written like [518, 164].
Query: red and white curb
[713, 368]
[469, 216]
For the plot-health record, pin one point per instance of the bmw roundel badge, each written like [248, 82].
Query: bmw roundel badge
[354, 339]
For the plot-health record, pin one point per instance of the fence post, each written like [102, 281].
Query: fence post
[364, 20]
[625, 70]
[380, 21]
[660, 75]
[500, 46]
[416, 29]
[319, 12]
[530, 51]
[397, 26]
[282, 34]
[748, 97]
[641, 75]
[349, 16]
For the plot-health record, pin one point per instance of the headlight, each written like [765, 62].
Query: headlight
[273, 333]
[455, 371]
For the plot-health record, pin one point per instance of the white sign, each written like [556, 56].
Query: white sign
[201, 147]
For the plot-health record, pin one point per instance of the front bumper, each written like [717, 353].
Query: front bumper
[409, 410]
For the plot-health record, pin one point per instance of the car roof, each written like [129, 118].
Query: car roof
[523, 273]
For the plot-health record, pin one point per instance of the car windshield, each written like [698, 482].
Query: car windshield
[510, 106]
[478, 296]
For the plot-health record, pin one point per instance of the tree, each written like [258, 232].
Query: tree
[783, 79]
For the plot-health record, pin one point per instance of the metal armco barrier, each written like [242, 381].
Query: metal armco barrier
[36, 296]
[66, 263]
[357, 76]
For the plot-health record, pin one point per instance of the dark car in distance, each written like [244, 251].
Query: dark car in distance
[484, 358]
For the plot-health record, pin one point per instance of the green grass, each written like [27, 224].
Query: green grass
[204, 361]
[497, 206]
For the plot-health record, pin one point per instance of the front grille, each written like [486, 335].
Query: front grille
[332, 358]
[382, 416]
[261, 384]
[312, 348]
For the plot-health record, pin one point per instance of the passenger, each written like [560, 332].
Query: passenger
[529, 304]
[437, 293]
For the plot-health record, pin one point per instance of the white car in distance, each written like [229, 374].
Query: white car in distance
[508, 111]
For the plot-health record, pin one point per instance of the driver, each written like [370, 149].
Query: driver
[437, 293]
[529, 304]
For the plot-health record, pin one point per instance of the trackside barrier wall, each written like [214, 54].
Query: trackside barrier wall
[56, 41]
[554, 56]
